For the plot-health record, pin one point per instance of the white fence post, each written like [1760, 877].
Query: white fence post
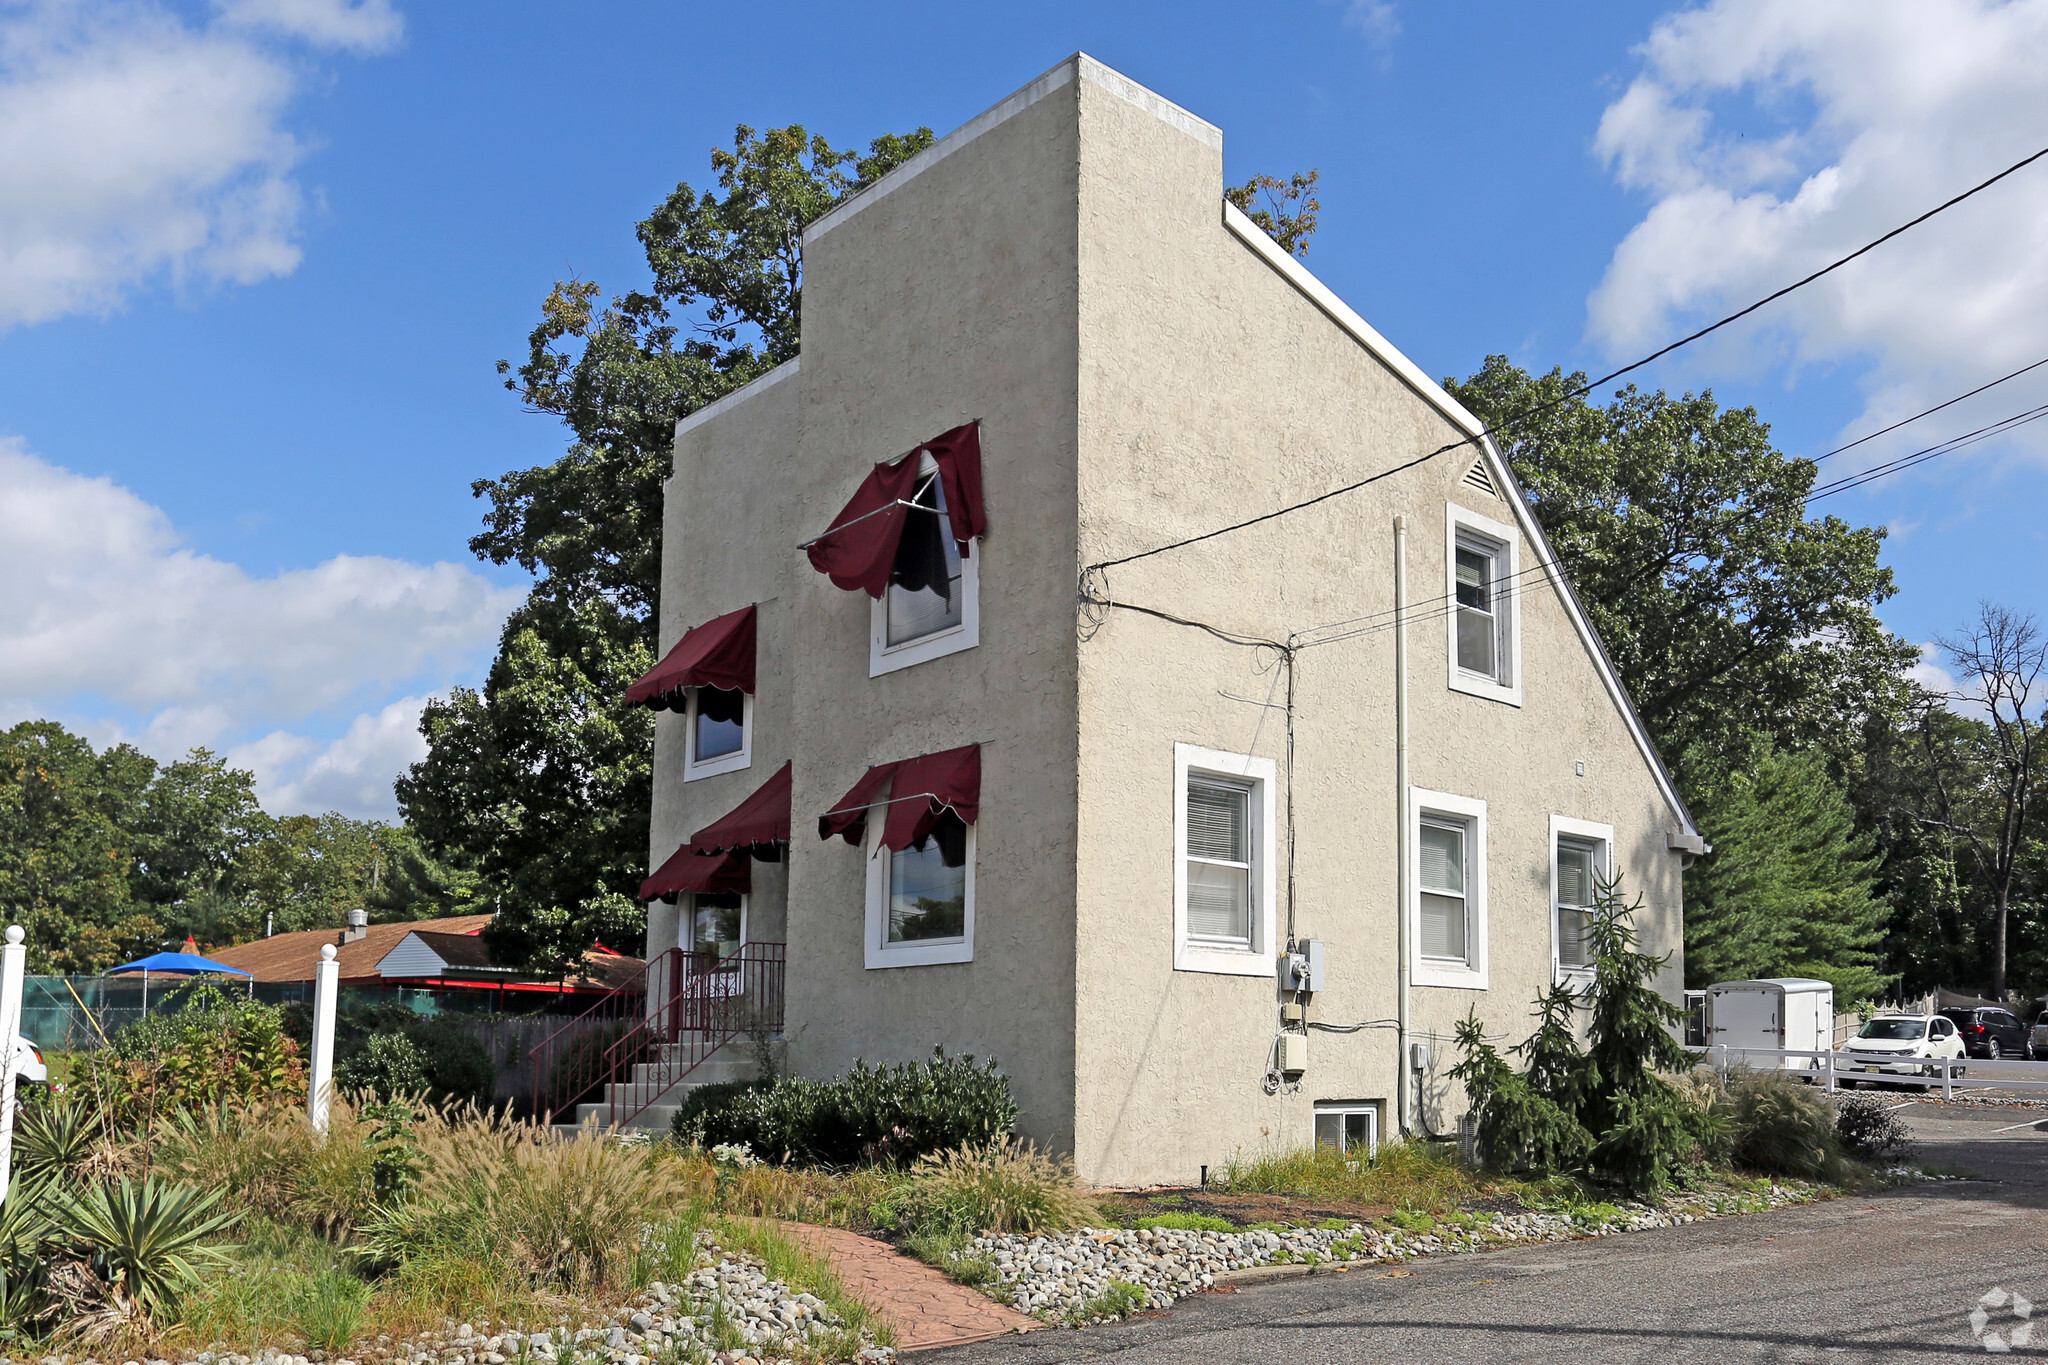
[1719, 1053]
[1831, 1072]
[12, 962]
[320, 1083]
[1948, 1078]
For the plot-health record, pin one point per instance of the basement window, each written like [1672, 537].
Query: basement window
[1351, 1128]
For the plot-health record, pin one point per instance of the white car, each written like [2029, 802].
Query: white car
[28, 1061]
[1885, 1042]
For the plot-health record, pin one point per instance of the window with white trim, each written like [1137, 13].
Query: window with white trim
[714, 927]
[1223, 862]
[920, 899]
[1446, 930]
[1481, 594]
[1579, 865]
[1353, 1129]
[1447, 858]
[718, 726]
[932, 606]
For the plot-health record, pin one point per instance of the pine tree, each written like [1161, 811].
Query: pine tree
[1790, 889]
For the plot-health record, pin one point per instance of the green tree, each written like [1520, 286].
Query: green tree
[540, 782]
[192, 825]
[67, 855]
[1284, 209]
[1733, 617]
[1791, 886]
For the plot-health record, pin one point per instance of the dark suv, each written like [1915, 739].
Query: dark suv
[1992, 1033]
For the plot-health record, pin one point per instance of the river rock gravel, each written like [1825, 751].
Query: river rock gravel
[1098, 1274]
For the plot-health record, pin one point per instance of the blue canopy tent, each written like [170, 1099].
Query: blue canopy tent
[181, 964]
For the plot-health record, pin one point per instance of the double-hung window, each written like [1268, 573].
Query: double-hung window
[1578, 869]
[1447, 925]
[1223, 862]
[932, 606]
[1481, 592]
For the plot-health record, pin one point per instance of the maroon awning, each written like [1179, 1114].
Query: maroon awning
[758, 825]
[948, 780]
[859, 549]
[719, 653]
[689, 870]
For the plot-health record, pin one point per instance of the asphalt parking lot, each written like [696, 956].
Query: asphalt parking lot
[1890, 1277]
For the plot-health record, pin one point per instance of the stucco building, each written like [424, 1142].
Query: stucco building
[1078, 798]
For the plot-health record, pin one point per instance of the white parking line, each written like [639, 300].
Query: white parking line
[1907, 1105]
[2030, 1123]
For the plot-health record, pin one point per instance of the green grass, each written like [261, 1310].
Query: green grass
[1414, 1175]
[328, 1309]
[1119, 1300]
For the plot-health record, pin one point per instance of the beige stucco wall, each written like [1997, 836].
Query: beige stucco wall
[1212, 390]
[1141, 374]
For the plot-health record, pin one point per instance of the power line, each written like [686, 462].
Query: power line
[1931, 411]
[1582, 389]
[1920, 457]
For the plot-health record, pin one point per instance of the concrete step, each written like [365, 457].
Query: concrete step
[717, 1067]
[658, 1116]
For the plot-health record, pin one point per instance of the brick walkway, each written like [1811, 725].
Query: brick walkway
[924, 1307]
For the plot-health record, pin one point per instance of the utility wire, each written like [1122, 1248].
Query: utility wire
[1582, 389]
[1920, 457]
[1931, 411]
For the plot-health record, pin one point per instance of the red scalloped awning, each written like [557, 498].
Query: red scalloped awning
[689, 870]
[859, 549]
[758, 825]
[719, 653]
[951, 780]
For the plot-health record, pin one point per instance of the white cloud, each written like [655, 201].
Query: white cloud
[103, 601]
[1774, 138]
[352, 774]
[137, 147]
[372, 26]
[1376, 20]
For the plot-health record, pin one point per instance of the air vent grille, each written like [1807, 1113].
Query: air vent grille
[1478, 478]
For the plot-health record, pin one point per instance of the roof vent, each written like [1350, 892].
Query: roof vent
[358, 925]
[1477, 477]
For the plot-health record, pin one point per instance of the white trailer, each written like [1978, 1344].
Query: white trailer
[1781, 1014]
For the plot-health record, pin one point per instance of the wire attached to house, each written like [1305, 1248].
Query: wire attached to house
[1478, 437]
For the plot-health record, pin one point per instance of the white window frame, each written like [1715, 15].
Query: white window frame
[1262, 774]
[880, 953]
[1345, 1108]
[733, 762]
[1425, 971]
[1505, 542]
[886, 658]
[1602, 838]
[686, 920]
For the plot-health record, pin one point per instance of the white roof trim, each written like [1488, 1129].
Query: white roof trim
[1079, 65]
[752, 388]
[1431, 392]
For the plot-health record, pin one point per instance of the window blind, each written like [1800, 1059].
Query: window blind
[1574, 875]
[1218, 820]
[1443, 858]
[1443, 926]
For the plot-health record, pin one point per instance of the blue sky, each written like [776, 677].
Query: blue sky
[258, 257]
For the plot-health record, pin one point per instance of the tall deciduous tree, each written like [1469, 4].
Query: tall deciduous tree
[2000, 659]
[541, 781]
[1790, 888]
[1734, 618]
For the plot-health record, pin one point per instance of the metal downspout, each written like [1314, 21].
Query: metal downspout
[1401, 868]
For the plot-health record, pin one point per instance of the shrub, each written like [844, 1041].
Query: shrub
[1006, 1186]
[218, 1048]
[1779, 1125]
[1870, 1131]
[1604, 1110]
[688, 1123]
[267, 1160]
[388, 1065]
[889, 1115]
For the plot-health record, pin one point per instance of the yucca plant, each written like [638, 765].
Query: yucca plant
[26, 1232]
[51, 1139]
[147, 1240]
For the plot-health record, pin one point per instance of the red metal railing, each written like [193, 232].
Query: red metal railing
[565, 1065]
[700, 1003]
[708, 1001]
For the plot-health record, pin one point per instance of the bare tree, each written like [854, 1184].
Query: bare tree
[1999, 658]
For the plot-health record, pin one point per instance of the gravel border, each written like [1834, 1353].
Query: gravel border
[1101, 1274]
[765, 1314]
